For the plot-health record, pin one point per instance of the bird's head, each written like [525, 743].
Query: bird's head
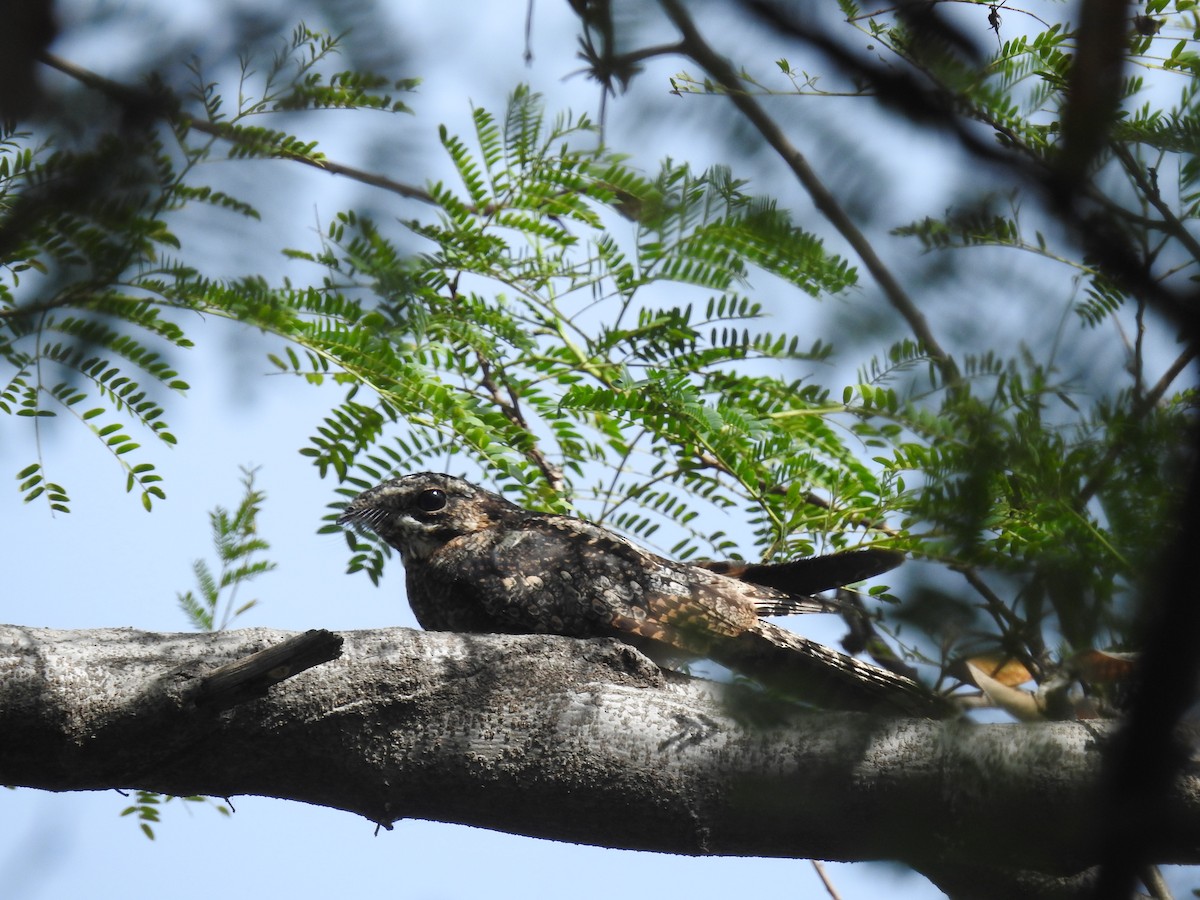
[418, 514]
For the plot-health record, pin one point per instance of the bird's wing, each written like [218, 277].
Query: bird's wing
[585, 570]
[591, 582]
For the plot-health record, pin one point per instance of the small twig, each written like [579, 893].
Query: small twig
[1139, 362]
[1006, 620]
[863, 637]
[820, 870]
[528, 55]
[1155, 883]
[251, 677]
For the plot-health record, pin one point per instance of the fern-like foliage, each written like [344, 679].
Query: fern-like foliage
[578, 331]
[1014, 472]
[1146, 171]
[215, 604]
[92, 291]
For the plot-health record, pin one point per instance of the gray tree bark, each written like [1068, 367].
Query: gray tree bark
[584, 741]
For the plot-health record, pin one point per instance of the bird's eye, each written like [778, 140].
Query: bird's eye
[431, 500]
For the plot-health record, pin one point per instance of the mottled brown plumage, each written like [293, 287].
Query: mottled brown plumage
[477, 563]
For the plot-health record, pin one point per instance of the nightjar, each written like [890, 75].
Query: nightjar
[476, 562]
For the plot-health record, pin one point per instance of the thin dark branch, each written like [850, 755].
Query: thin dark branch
[1004, 616]
[724, 74]
[509, 404]
[159, 106]
[1140, 409]
[1170, 222]
[1081, 207]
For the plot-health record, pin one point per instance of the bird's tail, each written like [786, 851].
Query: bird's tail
[821, 675]
[812, 574]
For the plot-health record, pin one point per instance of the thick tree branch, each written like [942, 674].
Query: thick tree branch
[571, 740]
